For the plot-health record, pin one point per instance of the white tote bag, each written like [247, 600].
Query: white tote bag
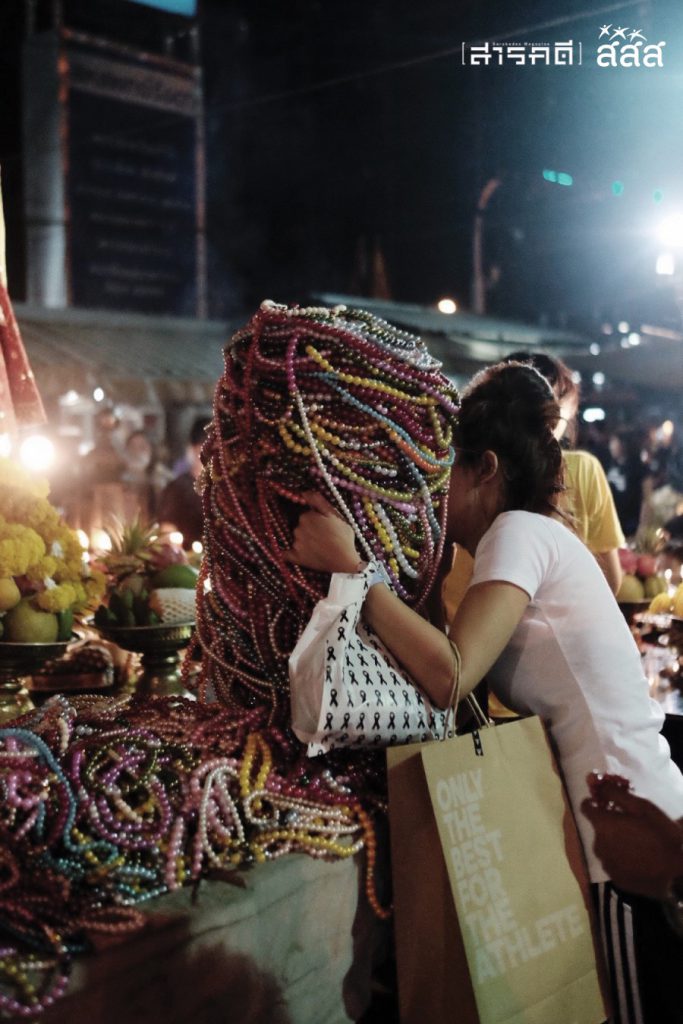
[347, 689]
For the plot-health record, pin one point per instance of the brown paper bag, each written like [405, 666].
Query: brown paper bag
[491, 894]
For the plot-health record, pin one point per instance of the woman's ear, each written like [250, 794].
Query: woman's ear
[488, 466]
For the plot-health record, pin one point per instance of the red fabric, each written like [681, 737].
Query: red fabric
[20, 401]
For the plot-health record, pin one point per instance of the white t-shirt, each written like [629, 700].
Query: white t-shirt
[572, 661]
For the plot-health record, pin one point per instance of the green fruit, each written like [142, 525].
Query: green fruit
[631, 590]
[135, 583]
[10, 595]
[118, 607]
[654, 585]
[183, 576]
[65, 624]
[127, 619]
[104, 617]
[141, 609]
[24, 624]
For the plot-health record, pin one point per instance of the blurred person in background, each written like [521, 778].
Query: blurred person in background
[663, 485]
[626, 472]
[672, 530]
[180, 507]
[144, 474]
[588, 496]
[103, 464]
[669, 560]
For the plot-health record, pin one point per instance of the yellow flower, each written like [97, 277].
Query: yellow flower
[36, 542]
[20, 547]
[57, 599]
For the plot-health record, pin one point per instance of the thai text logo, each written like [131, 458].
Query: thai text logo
[626, 47]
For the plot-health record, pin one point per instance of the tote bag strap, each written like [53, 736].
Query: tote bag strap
[483, 721]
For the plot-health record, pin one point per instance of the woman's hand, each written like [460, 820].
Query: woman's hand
[322, 540]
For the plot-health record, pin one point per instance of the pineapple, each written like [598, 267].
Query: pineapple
[136, 549]
[138, 555]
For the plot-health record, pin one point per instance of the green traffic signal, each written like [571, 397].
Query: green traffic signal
[617, 188]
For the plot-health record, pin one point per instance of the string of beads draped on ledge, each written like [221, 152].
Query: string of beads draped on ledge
[106, 804]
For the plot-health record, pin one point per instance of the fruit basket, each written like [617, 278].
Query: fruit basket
[149, 604]
[149, 581]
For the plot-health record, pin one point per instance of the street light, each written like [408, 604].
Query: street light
[670, 231]
[446, 306]
[478, 284]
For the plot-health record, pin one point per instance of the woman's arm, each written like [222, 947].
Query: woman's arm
[611, 567]
[482, 627]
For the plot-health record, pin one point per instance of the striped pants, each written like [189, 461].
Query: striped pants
[644, 958]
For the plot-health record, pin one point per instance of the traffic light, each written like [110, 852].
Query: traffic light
[617, 188]
[658, 195]
[558, 177]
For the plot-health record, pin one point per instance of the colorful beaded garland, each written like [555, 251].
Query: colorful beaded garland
[105, 804]
[333, 400]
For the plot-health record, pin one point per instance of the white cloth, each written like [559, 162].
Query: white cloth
[346, 689]
[572, 661]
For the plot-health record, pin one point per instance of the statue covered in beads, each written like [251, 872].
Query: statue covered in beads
[331, 400]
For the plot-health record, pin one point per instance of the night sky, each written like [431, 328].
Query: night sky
[347, 135]
[394, 157]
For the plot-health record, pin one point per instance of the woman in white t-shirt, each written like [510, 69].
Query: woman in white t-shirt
[538, 620]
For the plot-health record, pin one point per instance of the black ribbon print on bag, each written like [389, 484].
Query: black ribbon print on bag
[334, 703]
[330, 653]
[328, 720]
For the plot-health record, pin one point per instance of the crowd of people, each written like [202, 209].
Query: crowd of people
[131, 478]
[643, 463]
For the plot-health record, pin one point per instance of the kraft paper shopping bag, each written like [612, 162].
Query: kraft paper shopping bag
[502, 839]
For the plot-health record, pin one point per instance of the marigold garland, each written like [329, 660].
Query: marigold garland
[37, 544]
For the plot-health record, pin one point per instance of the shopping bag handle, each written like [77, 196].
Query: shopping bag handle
[483, 721]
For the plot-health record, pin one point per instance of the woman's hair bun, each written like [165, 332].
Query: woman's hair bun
[510, 409]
